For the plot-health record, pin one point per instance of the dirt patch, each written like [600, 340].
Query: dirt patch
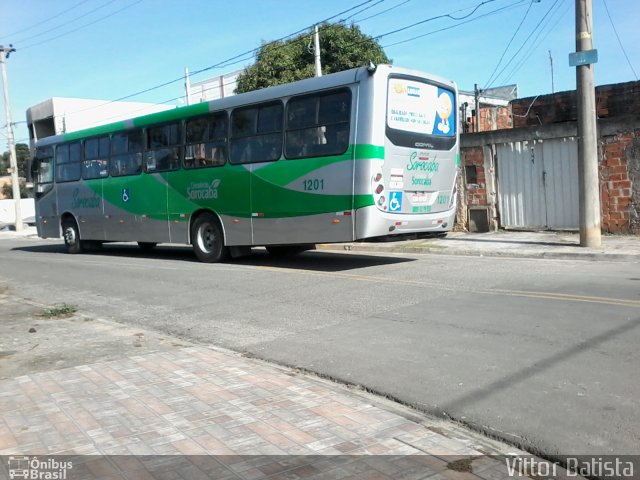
[32, 342]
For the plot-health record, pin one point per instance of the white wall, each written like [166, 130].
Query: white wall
[8, 210]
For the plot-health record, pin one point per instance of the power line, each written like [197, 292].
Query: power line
[360, 20]
[619, 41]
[243, 56]
[31, 27]
[513, 57]
[66, 23]
[493, 12]
[538, 40]
[83, 26]
[524, 17]
[224, 63]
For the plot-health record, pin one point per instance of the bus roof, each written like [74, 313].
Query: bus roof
[332, 80]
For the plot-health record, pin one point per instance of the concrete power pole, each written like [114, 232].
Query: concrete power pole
[590, 230]
[316, 51]
[4, 54]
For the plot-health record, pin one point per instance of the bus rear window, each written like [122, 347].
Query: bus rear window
[420, 108]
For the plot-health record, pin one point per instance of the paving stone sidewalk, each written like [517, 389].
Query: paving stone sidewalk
[199, 412]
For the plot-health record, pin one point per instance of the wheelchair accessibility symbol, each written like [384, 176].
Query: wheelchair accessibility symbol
[125, 195]
[395, 201]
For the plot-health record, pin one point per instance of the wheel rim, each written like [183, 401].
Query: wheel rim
[70, 236]
[206, 238]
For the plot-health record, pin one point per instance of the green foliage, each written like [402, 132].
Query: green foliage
[23, 157]
[59, 311]
[7, 190]
[341, 47]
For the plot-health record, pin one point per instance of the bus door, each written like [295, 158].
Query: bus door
[124, 190]
[47, 216]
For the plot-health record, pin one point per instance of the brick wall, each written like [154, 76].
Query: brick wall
[611, 101]
[475, 191]
[619, 170]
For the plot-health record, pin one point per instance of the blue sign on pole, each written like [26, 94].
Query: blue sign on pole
[586, 57]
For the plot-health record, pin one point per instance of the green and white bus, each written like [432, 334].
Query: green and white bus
[356, 155]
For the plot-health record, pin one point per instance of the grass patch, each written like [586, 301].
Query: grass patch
[59, 311]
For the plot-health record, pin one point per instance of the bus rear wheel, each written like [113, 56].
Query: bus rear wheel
[207, 239]
[71, 236]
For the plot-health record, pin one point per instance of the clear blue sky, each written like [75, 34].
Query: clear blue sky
[109, 49]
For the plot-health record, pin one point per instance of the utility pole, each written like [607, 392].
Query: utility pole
[476, 92]
[553, 90]
[187, 87]
[4, 54]
[316, 51]
[589, 199]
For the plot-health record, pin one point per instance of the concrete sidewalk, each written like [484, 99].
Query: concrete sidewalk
[176, 408]
[515, 244]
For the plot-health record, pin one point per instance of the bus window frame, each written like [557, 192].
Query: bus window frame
[149, 157]
[89, 162]
[244, 140]
[207, 140]
[139, 153]
[318, 126]
[69, 164]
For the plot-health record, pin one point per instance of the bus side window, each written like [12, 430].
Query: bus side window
[256, 133]
[96, 158]
[318, 124]
[68, 162]
[126, 153]
[165, 144]
[206, 139]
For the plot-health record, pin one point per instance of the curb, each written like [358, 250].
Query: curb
[443, 250]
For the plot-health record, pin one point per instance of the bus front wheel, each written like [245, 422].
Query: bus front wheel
[71, 236]
[207, 239]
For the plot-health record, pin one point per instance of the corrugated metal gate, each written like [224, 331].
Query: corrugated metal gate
[538, 184]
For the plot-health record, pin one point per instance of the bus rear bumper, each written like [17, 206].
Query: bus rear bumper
[371, 222]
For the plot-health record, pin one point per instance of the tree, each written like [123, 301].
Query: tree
[23, 156]
[341, 47]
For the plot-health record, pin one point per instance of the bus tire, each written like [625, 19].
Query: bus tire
[207, 239]
[71, 235]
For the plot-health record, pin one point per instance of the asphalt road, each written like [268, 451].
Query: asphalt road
[542, 353]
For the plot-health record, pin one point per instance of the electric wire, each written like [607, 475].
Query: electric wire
[75, 19]
[360, 20]
[524, 17]
[615, 30]
[31, 27]
[537, 41]
[129, 5]
[243, 56]
[526, 40]
[493, 12]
